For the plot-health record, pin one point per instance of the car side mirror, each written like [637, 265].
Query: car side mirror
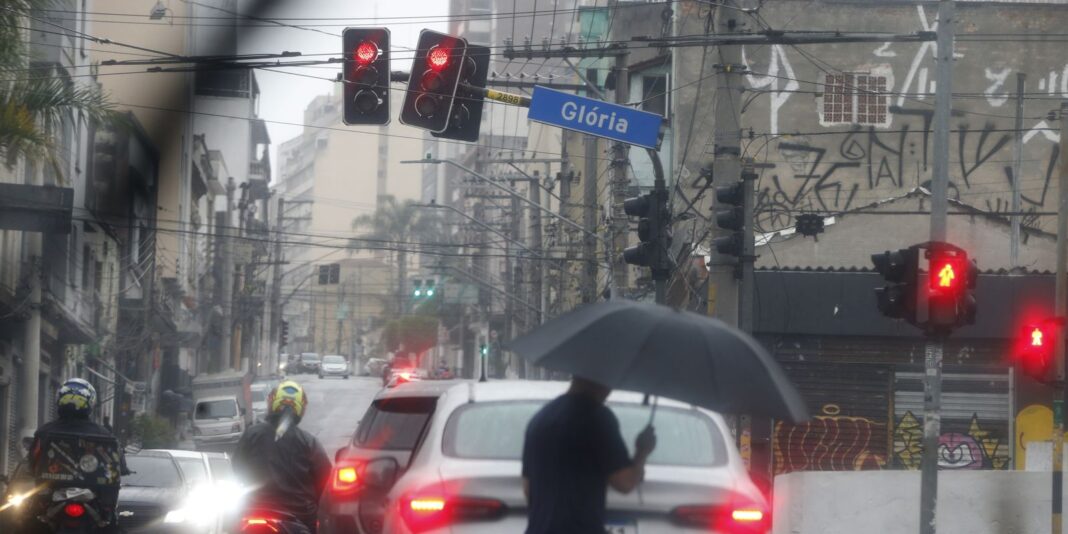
[381, 473]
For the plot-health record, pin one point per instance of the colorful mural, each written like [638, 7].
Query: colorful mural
[977, 448]
[830, 442]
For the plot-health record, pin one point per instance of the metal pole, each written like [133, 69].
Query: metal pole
[1017, 174]
[1060, 309]
[939, 203]
[618, 186]
[30, 370]
[746, 293]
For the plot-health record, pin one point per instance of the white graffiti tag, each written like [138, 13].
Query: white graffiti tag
[779, 80]
[995, 93]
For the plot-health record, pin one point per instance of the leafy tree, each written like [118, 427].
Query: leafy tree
[35, 101]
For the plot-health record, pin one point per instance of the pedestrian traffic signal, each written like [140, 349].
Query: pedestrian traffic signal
[466, 119]
[365, 74]
[897, 299]
[731, 217]
[435, 74]
[283, 338]
[654, 233]
[951, 279]
[1035, 350]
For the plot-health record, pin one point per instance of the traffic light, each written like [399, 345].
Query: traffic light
[466, 119]
[731, 217]
[1034, 350]
[417, 289]
[429, 292]
[897, 299]
[435, 75]
[951, 279]
[654, 233]
[284, 337]
[365, 73]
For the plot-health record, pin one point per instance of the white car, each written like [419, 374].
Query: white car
[334, 365]
[465, 476]
[177, 491]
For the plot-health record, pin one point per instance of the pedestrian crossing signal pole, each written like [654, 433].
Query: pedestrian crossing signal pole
[1060, 310]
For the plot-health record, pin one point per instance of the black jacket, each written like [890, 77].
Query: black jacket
[62, 435]
[289, 474]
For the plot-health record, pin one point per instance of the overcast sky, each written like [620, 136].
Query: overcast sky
[284, 96]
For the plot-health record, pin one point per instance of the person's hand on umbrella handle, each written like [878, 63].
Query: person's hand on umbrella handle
[645, 443]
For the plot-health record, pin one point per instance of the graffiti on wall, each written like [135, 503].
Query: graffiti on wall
[808, 171]
[830, 442]
[977, 448]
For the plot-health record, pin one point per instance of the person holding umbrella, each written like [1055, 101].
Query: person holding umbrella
[572, 452]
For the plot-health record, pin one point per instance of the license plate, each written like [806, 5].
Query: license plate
[621, 527]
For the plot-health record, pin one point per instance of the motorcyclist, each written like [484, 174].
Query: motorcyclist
[285, 467]
[74, 405]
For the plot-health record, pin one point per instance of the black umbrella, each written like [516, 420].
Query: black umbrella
[662, 351]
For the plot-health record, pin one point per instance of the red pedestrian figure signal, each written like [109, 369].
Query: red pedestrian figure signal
[1035, 355]
[1037, 338]
[946, 276]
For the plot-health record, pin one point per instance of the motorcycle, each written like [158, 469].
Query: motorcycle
[401, 376]
[264, 521]
[74, 511]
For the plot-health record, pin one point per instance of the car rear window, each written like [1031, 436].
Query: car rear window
[394, 424]
[194, 470]
[221, 469]
[151, 471]
[259, 395]
[495, 431]
[333, 359]
[216, 409]
[310, 357]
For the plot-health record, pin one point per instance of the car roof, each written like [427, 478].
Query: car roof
[178, 453]
[497, 390]
[217, 398]
[418, 388]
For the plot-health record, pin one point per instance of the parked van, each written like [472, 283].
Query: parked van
[218, 422]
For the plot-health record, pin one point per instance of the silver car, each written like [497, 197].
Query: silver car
[334, 365]
[465, 477]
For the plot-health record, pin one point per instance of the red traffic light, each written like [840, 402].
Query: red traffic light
[947, 273]
[366, 53]
[437, 58]
[1038, 337]
[1035, 350]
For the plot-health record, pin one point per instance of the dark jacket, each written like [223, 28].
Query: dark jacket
[289, 474]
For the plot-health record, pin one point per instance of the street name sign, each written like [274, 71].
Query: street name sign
[595, 117]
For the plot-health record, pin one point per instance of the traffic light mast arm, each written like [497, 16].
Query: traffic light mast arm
[489, 94]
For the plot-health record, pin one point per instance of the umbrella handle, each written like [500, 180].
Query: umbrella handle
[652, 413]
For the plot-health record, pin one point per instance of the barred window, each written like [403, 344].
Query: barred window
[854, 99]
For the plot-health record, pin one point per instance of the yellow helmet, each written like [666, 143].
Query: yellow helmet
[288, 393]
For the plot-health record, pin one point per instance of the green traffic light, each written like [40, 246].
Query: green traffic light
[418, 293]
[485, 350]
[430, 292]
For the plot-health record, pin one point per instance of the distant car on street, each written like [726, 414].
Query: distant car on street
[334, 365]
[218, 422]
[374, 367]
[391, 427]
[309, 362]
[464, 477]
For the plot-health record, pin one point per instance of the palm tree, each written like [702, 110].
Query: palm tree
[401, 223]
[34, 102]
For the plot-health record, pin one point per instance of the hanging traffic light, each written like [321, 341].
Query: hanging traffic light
[365, 74]
[731, 217]
[897, 299]
[466, 119]
[283, 339]
[435, 75]
[417, 289]
[429, 292]
[654, 233]
[1035, 350]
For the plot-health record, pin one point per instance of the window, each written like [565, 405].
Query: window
[152, 472]
[654, 94]
[394, 424]
[219, 409]
[495, 430]
[854, 99]
[194, 470]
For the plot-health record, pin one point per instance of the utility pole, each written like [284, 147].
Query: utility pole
[511, 268]
[30, 370]
[932, 410]
[619, 183]
[589, 220]
[1017, 172]
[1061, 309]
[225, 291]
[276, 290]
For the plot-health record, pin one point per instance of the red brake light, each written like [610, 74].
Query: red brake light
[428, 512]
[734, 519]
[747, 515]
[437, 58]
[366, 53]
[74, 509]
[406, 376]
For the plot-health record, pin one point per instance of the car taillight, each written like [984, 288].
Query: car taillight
[74, 509]
[428, 512]
[731, 519]
[346, 478]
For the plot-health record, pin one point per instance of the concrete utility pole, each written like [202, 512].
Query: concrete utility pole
[512, 270]
[932, 409]
[274, 343]
[1060, 310]
[589, 220]
[1017, 173]
[619, 183]
[30, 370]
[225, 290]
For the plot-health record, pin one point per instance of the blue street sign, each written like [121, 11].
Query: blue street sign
[595, 117]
